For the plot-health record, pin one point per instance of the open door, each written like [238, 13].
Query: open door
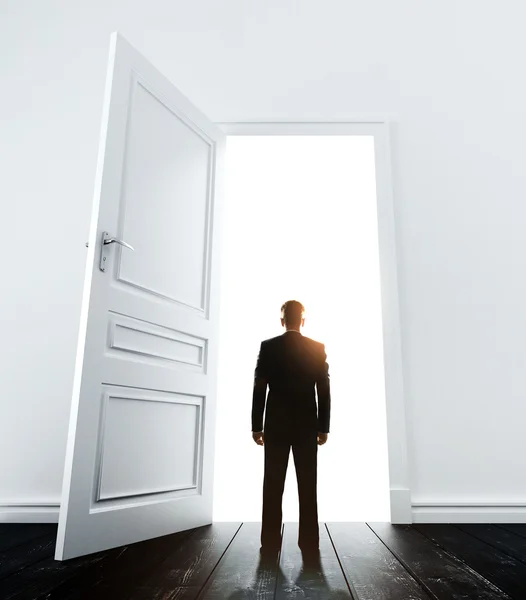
[139, 459]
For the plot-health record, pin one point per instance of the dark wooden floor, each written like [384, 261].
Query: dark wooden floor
[361, 561]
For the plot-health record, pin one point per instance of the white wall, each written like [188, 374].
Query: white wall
[450, 74]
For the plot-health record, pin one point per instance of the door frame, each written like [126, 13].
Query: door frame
[379, 128]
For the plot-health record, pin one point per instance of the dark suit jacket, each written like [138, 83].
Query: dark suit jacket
[292, 366]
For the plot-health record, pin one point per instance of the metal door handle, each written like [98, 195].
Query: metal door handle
[116, 241]
[107, 240]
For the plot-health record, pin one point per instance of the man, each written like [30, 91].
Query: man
[292, 366]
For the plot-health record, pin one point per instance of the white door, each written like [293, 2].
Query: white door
[139, 460]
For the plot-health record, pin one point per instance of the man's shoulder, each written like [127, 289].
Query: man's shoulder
[279, 339]
[314, 343]
[272, 340]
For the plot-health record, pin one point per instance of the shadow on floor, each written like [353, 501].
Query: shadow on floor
[310, 583]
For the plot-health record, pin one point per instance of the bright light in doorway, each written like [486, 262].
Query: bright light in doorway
[300, 223]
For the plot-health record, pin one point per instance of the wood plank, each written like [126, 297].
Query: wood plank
[184, 573]
[15, 534]
[38, 579]
[5, 527]
[505, 541]
[372, 572]
[504, 571]
[516, 528]
[441, 573]
[65, 579]
[303, 578]
[241, 572]
[120, 572]
[22, 556]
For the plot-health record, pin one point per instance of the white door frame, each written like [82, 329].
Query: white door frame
[400, 493]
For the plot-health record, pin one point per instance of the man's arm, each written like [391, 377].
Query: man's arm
[260, 391]
[324, 394]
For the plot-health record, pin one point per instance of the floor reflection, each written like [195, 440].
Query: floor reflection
[260, 588]
[310, 583]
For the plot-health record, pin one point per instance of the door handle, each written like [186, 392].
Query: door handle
[113, 240]
[106, 242]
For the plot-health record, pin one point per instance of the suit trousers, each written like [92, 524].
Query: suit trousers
[305, 453]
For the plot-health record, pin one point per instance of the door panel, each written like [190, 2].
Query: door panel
[166, 160]
[139, 461]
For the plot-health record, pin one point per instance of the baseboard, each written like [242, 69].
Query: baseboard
[418, 512]
[400, 505]
[468, 512]
[28, 512]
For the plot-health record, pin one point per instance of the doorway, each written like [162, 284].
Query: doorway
[301, 222]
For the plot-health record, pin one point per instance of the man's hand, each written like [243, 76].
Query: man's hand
[322, 438]
[258, 437]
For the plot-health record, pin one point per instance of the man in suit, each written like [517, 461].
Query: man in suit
[292, 366]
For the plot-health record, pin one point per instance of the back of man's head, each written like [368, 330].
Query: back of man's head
[292, 313]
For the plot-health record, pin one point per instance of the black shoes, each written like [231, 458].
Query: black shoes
[305, 550]
[311, 558]
[269, 550]
[268, 553]
[310, 549]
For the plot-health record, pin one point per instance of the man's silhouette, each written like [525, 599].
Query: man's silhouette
[292, 366]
